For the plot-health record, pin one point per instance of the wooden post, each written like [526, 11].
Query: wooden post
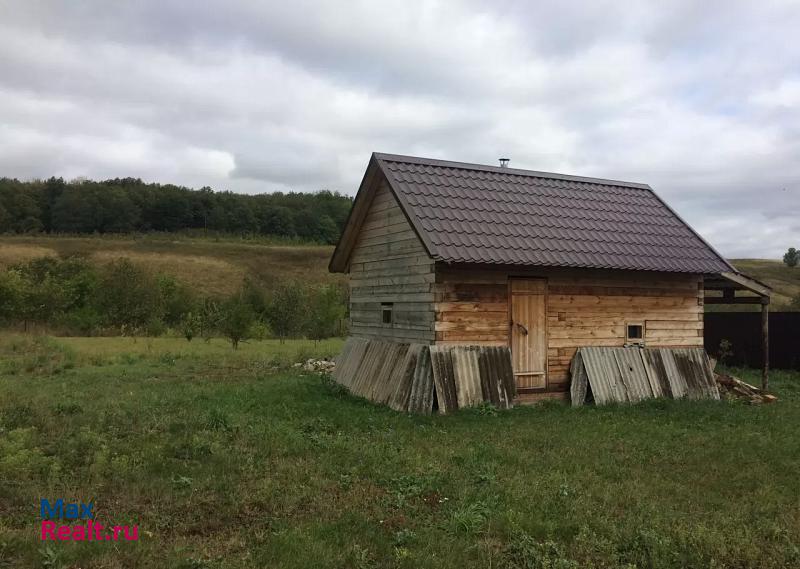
[765, 342]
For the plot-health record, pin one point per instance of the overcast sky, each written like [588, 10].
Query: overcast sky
[700, 99]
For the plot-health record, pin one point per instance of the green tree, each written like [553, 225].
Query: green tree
[791, 257]
[177, 299]
[209, 318]
[128, 295]
[286, 310]
[190, 325]
[129, 204]
[12, 286]
[325, 310]
[5, 219]
[237, 320]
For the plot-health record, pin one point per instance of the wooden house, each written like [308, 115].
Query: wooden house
[445, 253]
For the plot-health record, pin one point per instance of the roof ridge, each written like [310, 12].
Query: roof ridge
[510, 171]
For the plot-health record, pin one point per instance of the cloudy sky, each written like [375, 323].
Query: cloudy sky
[700, 99]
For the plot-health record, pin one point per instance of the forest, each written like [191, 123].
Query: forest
[125, 205]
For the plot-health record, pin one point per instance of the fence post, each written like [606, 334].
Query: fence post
[765, 342]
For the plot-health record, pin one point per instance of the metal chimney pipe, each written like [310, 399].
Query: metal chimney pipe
[504, 162]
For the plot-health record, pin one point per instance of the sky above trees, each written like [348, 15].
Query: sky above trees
[699, 99]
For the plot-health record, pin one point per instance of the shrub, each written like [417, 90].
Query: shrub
[177, 299]
[237, 320]
[791, 257]
[725, 351]
[286, 310]
[128, 296]
[325, 312]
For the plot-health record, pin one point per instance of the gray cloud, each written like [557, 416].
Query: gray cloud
[698, 99]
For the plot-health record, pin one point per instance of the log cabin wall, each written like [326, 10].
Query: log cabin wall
[389, 265]
[584, 307]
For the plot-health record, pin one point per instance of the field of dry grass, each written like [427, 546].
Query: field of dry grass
[785, 281]
[209, 266]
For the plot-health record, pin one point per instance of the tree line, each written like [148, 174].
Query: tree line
[124, 205]
[121, 297]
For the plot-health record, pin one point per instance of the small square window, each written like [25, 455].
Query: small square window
[387, 309]
[634, 333]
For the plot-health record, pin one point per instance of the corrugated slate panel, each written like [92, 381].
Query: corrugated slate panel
[604, 376]
[390, 374]
[497, 376]
[693, 364]
[618, 375]
[408, 377]
[467, 375]
[349, 360]
[677, 383]
[579, 384]
[420, 399]
[634, 376]
[656, 373]
[404, 378]
[444, 379]
[467, 213]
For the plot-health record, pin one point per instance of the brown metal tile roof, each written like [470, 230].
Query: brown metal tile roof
[468, 213]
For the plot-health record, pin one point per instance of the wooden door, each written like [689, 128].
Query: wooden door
[528, 332]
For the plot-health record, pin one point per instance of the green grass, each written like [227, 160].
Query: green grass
[236, 460]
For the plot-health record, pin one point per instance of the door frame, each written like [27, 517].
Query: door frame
[546, 330]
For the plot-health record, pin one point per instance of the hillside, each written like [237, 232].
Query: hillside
[210, 266]
[219, 266]
[785, 281]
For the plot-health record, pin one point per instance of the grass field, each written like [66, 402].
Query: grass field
[236, 459]
[785, 281]
[209, 266]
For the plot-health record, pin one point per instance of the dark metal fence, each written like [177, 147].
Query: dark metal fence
[743, 331]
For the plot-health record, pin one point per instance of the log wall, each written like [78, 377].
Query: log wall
[584, 308]
[390, 264]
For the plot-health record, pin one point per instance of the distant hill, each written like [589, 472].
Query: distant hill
[219, 266]
[212, 267]
[785, 281]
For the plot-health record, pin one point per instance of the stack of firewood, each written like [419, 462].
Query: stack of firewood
[734, 388]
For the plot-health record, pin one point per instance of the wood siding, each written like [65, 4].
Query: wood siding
[584, 308]
[390, 264]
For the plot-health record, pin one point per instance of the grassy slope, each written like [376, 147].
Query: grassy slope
[224, 463]
[785, 281]
[212, 267]
[219, 266]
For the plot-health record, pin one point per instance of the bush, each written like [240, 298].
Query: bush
[791, 257]
[286, 311]
[85, 320]
[129, 296]
[325, 312]
[12, 285]
[177, 299]
[237, 320]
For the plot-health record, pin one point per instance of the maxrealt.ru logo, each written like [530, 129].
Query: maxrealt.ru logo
[86, 528]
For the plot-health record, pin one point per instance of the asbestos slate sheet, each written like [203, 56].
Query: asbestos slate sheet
[620, 375]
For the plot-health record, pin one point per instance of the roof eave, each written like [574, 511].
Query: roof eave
[344, 247]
